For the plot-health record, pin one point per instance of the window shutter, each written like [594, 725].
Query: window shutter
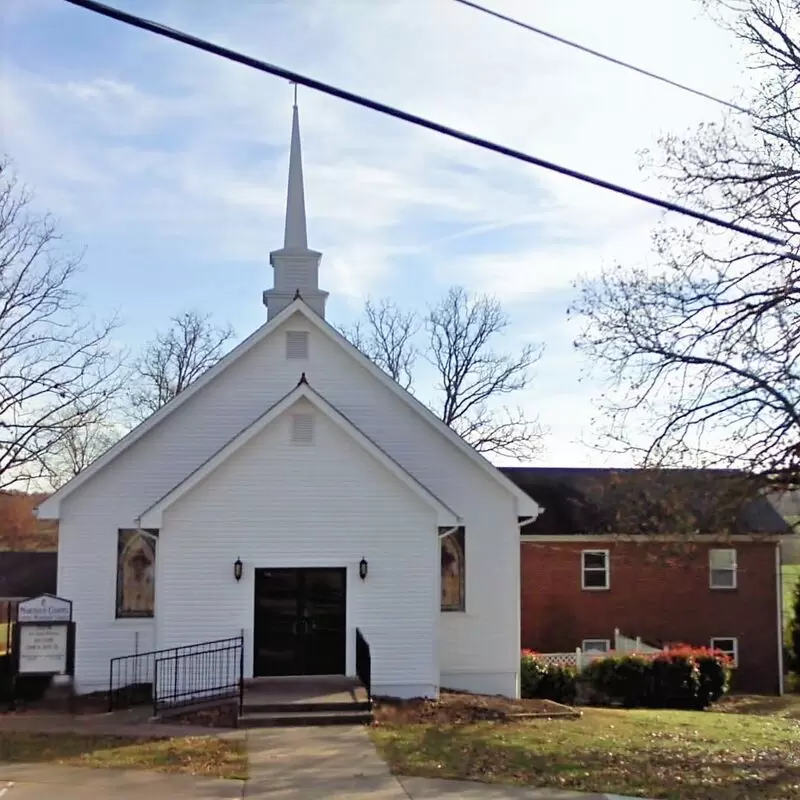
[302, 428]
[296, 344]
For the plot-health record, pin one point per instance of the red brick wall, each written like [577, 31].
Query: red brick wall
[654, 600]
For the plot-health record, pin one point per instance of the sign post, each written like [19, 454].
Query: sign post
[44, 638]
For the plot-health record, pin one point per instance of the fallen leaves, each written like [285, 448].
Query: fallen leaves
[195, 755]
[658, 754]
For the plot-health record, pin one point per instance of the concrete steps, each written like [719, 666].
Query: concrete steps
[290, 719]
[301, 701]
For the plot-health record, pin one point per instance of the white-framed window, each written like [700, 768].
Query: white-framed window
[595, 569]
[596, 645]
[297, 344]
[728, 645]
[722, 568]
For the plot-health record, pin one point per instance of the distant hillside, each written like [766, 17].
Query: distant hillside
[19, 528]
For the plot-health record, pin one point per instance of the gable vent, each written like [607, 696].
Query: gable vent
[302, 428]
[296, 344]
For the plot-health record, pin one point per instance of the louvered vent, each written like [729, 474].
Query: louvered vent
[302, 428]
[296, 344]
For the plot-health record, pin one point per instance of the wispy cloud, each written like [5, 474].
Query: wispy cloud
[171, 164]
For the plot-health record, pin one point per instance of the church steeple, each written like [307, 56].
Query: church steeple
[295, 236]
[296, 267]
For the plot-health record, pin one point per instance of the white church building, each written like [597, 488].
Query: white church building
[294, 495]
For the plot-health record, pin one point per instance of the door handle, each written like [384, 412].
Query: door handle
[305, 629]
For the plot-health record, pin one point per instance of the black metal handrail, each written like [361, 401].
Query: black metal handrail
[131, 679]
[364, 662]
[208, 672]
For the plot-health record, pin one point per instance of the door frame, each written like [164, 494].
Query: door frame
[349, 658]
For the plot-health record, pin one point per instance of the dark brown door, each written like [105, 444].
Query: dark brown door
[299, 625]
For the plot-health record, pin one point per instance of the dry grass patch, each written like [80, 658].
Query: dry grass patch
[463, 707]
[193, 755]
[676, 755]
[786, 707]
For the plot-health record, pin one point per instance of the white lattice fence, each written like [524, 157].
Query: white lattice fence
[578, 658]
[559, 659]
[581, 659]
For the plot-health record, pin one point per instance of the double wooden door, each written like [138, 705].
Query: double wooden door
[300, 621]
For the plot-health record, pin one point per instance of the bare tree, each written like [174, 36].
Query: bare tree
[55, 366]
[82, 443]
[472, 378]
[175, 359]
[705, 350]
[386, 336]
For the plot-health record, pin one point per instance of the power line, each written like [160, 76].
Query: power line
[604, 56]
[343, 94]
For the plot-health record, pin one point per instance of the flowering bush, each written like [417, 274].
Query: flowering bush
[539, 678]
[679, 677]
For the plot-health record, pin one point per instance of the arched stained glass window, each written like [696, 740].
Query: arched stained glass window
[453, 571]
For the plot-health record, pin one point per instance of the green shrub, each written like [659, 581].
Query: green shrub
[680, 677]
[793, 639]
[546, 681]
[532, 670]
[715, 677]
[676, 681]
[624, 678]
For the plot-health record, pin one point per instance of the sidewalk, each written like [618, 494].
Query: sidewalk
[45, 782]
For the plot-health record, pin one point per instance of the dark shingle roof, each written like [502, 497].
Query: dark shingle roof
[642, 501]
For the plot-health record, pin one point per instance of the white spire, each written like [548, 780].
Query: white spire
[296, 267]
[295, 236]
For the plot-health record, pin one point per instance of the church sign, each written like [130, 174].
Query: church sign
[43, 649]
[44, 637]
[45, 608]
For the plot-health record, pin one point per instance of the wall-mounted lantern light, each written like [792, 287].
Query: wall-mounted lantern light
[237, 569]
[362, 568]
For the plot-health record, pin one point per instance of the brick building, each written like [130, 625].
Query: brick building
[668, 556]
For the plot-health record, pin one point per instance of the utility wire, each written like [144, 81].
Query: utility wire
[343, 94]
[598, 54]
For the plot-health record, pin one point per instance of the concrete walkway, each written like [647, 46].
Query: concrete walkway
[46, 782]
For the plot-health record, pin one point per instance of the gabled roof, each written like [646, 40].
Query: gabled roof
[586, 501]
[526, 506]
[151, 517]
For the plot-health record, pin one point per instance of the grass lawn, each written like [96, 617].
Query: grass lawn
[680, 755]
[193, 755]
[786, 707]
[791, 575]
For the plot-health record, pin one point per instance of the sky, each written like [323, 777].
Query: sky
[167, 166]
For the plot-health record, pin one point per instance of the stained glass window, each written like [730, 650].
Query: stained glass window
[453, 571]
[136, 579]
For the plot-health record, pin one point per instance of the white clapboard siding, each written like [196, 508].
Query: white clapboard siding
[479, 648]
[276, 504]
